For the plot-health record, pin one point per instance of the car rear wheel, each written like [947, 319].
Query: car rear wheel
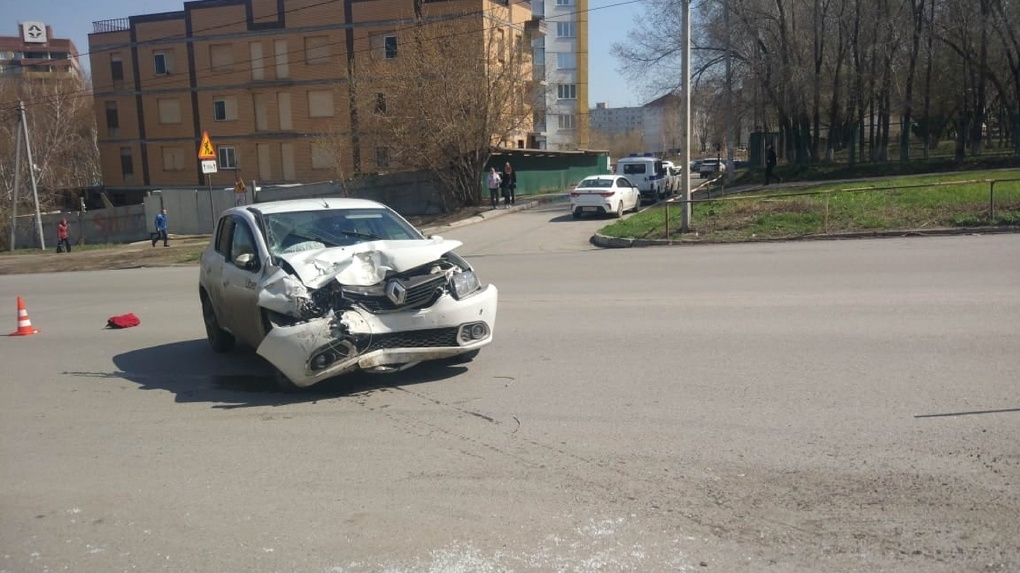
[219, 339]
[576, 213]
[619, 210]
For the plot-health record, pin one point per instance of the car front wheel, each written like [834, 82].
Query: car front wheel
[219, 339]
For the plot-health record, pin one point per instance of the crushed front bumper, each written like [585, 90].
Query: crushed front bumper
[322, 348]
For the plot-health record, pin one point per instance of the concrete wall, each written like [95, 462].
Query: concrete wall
[117, 225]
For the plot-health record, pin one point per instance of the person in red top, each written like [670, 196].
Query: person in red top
[63, 244]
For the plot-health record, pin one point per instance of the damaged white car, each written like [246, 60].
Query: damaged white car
[323, 287]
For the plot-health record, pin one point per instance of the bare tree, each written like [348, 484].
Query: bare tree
[62, 133]
[452, 91]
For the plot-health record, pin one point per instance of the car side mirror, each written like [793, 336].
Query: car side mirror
[247, 261]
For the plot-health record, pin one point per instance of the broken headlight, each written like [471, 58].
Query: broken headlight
[463, 284]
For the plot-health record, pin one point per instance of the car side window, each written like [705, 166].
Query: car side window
[243, 242]
[223, 235]
[623, 182]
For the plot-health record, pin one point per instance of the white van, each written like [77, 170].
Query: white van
[647, 173]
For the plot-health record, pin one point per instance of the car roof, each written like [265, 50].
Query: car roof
[604, 176]
[291, 205]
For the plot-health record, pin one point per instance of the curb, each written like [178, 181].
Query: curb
[619, 243]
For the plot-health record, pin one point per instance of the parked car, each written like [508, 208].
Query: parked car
[711, 167]
[323, 287]
[604, 194]
[647, 173]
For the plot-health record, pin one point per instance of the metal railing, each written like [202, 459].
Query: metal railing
[112, 25]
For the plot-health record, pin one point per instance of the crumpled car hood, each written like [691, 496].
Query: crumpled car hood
[365, 264]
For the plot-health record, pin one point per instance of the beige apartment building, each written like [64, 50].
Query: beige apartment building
[264, 78]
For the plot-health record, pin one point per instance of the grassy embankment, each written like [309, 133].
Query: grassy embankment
[804, 208]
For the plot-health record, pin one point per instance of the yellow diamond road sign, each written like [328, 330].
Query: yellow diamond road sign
[205, 150]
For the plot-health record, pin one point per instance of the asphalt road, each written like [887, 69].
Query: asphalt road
[789, 407]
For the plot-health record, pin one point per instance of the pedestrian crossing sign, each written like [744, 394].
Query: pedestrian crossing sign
[205, 150]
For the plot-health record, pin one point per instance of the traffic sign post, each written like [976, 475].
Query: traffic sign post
[207, 155]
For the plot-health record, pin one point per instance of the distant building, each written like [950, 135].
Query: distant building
[616, 120]
[658, 122]
[562, 53]
[36, 54]
[265, 78]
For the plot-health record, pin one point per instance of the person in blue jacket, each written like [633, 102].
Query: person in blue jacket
[160, 229]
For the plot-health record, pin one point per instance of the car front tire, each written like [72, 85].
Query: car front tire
[220, 340]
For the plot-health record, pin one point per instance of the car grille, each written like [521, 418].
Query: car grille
[428, 338]
[422, 292]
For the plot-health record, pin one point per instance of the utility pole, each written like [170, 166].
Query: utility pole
[685, 219]
[16, 192]
[729, 96]
[31, 174]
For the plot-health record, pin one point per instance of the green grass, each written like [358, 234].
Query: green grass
[903, 203]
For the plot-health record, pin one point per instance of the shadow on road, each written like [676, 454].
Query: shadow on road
[240, 379]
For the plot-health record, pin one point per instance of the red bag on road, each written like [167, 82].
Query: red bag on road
[123, 321]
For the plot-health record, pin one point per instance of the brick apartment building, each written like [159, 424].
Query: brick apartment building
[263, 77]
[35, 54]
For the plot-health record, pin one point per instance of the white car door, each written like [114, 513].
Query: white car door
[631, 195]
[239, 286]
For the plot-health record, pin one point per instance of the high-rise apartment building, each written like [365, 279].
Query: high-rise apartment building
[35, 54]
[562, 122]
[264, 78]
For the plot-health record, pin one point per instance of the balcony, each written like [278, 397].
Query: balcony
[114, 25]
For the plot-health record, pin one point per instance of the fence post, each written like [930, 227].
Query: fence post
[668, 238]
[826, 213]
[991, 201]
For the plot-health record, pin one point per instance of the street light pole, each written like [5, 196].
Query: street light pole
[685, 219]
[31, 174]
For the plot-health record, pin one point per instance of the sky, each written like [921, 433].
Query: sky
[609, 21]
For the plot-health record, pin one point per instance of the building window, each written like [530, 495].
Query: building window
[320, 103]
[567, 121]
[112, 121]
[321, 156]
[161, 63]
[227, 157]
[564, 2]
[501, 46]
[221, 57]
[258, 65]
[173, 159]
[282, 61]
[564, 29]
[317, 50]
[169, 110]
[380, 103]
[127, 166]
[283, 107]
[566, 91]
[390, 47]
[382, 157]
[116, 68]
[225, 109]
[566, 60]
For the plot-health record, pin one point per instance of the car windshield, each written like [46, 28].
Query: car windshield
[633, 168]
[303, 230]
[595, 182]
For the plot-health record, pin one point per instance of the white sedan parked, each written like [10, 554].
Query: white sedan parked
[604, 194]
[322, 287]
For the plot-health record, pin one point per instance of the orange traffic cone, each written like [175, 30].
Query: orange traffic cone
[24, 324]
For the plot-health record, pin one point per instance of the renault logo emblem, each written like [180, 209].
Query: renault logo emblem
[396, 292]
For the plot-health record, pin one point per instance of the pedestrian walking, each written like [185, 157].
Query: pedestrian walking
[160, 229]
[508, 184]
[240, 192]
[770, 163]
[63, 231]
[492, 181]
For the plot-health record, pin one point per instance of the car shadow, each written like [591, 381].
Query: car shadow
[240, 379]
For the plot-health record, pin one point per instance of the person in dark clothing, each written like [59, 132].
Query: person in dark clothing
[508, 184]
[63, 231]
[160, 229]
[770, 164]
